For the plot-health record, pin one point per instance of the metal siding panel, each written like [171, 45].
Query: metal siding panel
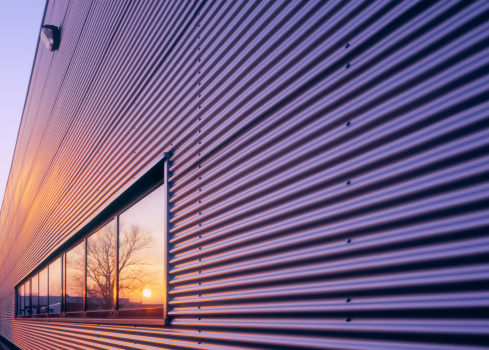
[330, 169]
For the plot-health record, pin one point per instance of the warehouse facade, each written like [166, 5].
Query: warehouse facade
[252, 175]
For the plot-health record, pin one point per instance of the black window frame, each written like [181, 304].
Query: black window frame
[153, 179]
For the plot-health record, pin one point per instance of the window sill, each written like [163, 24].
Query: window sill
[99, 321]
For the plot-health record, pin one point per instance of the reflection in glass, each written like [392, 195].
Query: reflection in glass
[27, 298]
[141, 265]
[34, 293]
[43, 291]
[101, 249]
[22, 300]
[75, 278]
[55, 286]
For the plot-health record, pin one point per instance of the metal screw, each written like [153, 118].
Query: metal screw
[347, 45]
[348, 123]
[347, 66]
[348, 182]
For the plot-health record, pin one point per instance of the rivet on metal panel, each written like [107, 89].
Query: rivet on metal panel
[347, 45]
[348, 182]
[348, 240]
[348, 319]
[348, 123]
[348, 300]
[347, 66]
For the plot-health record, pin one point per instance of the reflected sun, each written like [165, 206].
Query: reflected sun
[147, 293]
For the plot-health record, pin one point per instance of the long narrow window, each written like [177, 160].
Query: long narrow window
[116, 269]
[43, 292]
[55, 287]
[101, 255]
[34, 295]
[75, 278]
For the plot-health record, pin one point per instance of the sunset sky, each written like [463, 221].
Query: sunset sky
[19, 27]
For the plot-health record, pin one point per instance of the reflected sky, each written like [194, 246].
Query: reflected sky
[75, 278]
[55, 286]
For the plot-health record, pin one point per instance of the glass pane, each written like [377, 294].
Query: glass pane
[141, 263]
[27, 298]
[55, 286]
[101, 249]
[34, 290]
[43, 291]
[75, 278]
[22, 300]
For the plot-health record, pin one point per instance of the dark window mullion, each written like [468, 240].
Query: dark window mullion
[85, 273]
[116, 268]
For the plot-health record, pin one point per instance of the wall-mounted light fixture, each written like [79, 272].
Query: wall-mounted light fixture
[50, 36]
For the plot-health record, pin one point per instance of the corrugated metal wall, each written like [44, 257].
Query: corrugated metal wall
[330, 169]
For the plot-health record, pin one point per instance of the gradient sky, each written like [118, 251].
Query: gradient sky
[20, 21]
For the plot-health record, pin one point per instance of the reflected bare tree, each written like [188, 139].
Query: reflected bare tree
[101, 252]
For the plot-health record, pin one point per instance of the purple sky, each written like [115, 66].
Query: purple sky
[19, 27]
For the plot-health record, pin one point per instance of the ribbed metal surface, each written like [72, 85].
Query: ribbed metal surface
[330, 169]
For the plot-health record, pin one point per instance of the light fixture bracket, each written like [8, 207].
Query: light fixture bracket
[50, 36]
